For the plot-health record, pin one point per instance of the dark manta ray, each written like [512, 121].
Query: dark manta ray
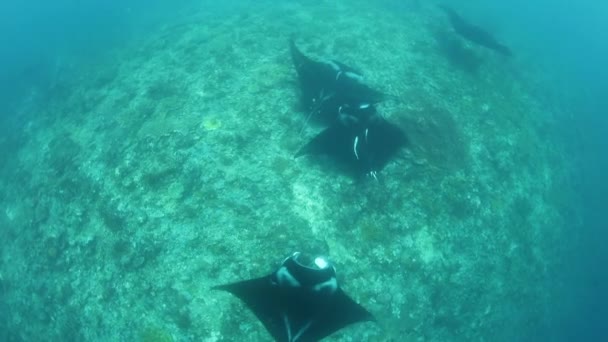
[360, 140]
[301, 301]
[474, 33]
[325, 86]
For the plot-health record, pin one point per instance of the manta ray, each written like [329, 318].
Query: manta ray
[356, 137]
[327, 85]
[474, 33]
[301, 301]
[361, 141]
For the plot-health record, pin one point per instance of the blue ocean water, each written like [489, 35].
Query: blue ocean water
[47, 44]
[569, 39]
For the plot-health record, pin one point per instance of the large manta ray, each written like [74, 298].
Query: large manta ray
[361, 141]
[358, 138]
[299, 302]
[474, 33]
[325, 86]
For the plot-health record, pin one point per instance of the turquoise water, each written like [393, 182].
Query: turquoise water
[147, 155]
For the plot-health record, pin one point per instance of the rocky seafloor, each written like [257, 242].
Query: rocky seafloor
[146, 180]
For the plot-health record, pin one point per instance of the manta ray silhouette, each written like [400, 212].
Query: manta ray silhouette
[301, 301]
[361, 141]
[474, 33]
[357, 137]
[325, 86]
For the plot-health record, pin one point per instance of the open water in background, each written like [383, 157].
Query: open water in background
[44, 41]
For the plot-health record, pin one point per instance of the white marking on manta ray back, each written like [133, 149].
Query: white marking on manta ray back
[354, 76]
[334, 65]
[286, 278]
[331, 285]
[321, 263]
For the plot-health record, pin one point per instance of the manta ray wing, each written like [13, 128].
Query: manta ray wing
[299, 303]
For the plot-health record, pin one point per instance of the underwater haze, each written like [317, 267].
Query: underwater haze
[148, 156]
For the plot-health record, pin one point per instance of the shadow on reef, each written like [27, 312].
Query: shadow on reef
[456, 52]
[436, 139]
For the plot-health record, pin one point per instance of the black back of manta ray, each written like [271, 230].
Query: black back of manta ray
[383, 141]
[474, 33]
[325, 86]
[313, 75]
[319, 317]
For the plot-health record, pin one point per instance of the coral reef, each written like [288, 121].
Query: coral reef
[170, 169]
